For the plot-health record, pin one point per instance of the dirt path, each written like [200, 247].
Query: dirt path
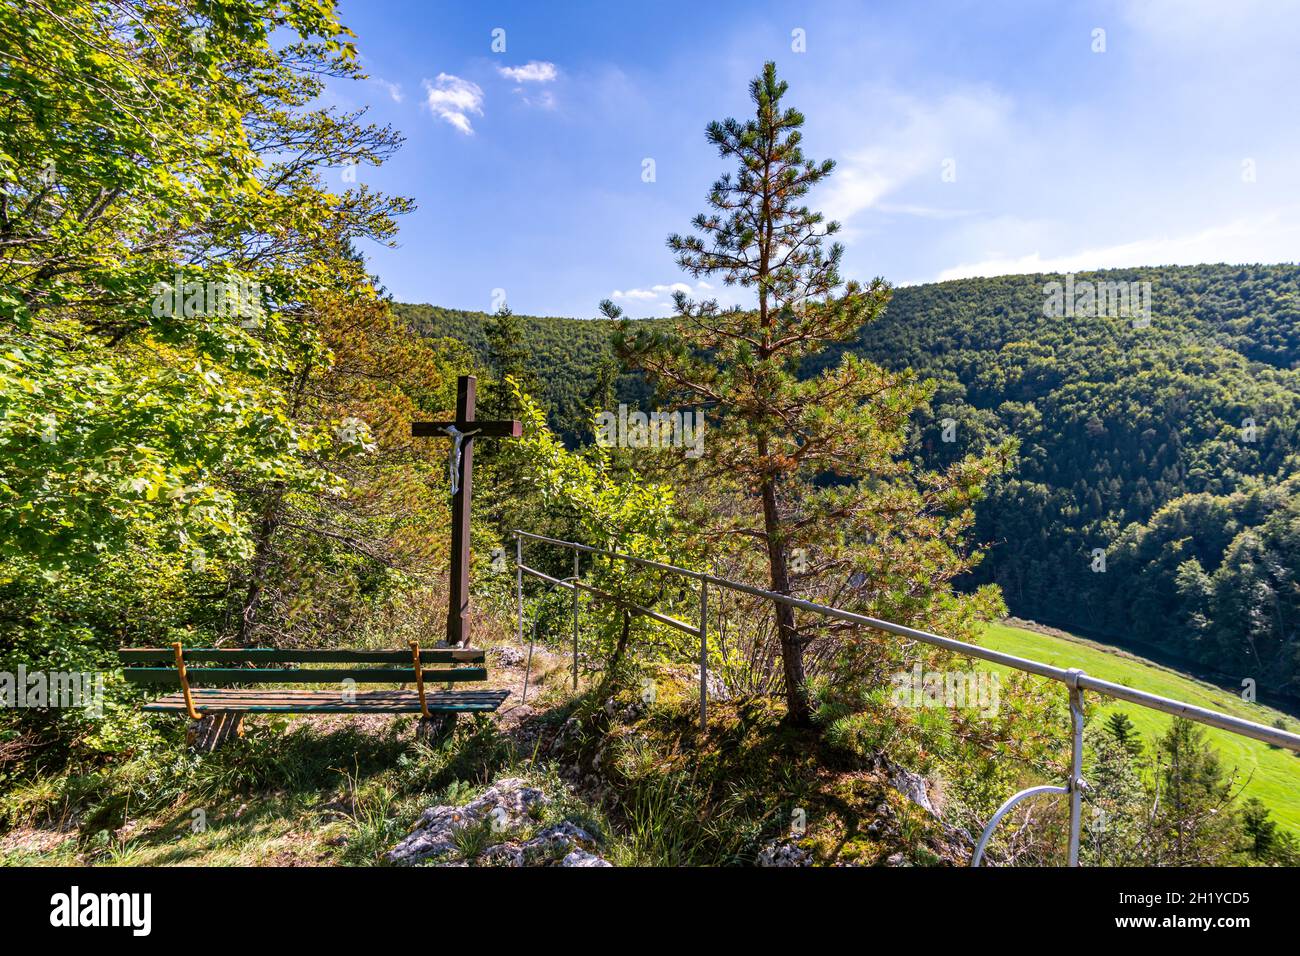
[507, 666]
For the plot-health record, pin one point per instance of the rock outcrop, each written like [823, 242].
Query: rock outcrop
[504, 809]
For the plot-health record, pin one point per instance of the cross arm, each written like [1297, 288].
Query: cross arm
[482, 429]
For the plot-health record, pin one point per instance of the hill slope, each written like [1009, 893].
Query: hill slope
[1151, 502]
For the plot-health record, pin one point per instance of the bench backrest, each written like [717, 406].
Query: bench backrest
[247, 665]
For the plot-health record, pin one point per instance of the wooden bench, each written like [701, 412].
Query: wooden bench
[217, 712]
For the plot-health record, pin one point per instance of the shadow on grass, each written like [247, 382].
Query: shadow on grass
[276, 782]
[258, 824]
[270, 760]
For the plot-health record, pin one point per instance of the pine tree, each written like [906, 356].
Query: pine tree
[1264, 842]
[1194, 822]
[502, 489]
[1115, 801]
[816, 461]
[508, 357]
[1121, 728]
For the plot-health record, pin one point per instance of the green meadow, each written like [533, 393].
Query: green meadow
[1270, 773]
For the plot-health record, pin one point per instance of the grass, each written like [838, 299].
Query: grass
[286, 794]
[1273, 774]
[290, 793]
[686, 799]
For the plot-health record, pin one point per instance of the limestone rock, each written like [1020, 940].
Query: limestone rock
[505, 807]
[784, 854]
[913, 786]
[583, 858]
[506, 803]
[511, 655]
[564, 844]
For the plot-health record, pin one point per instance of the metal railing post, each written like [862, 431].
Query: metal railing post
[1076, 784]
[704, 656]
[577, 556]
[1073, 788]
[519, 582]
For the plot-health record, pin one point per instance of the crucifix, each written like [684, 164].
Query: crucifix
[462, 433]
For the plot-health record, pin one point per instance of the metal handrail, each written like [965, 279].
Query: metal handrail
[1004, 810]
[1074, 678]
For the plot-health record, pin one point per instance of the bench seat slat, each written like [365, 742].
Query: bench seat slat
[209, 700]
[167, 676]
[277, 655]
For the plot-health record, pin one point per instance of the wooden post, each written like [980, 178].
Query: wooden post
[213, 730]
[458, 596]
[431, 731]
[462, 432]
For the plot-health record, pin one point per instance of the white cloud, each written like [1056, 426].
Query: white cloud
[923, 212]
[394, 90]
[1206, 24]
[1271, 238]
[652, 293]
[543, 101]
[535, 71]
[658, 299]
[453, 99]
[909, 144]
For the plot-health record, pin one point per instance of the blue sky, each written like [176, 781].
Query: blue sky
[973, 138]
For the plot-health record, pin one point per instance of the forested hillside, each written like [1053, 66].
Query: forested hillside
[1151, 499]
[571, 359]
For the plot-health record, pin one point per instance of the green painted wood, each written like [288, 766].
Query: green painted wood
[211, 700]
[167, 676]
[295, 695]
[276, 655]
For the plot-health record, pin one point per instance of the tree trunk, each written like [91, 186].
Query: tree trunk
[798, 712]
[616, 659]
[272, 516]
[262, 555]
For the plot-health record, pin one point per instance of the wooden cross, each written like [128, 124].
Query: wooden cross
[462, 433]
